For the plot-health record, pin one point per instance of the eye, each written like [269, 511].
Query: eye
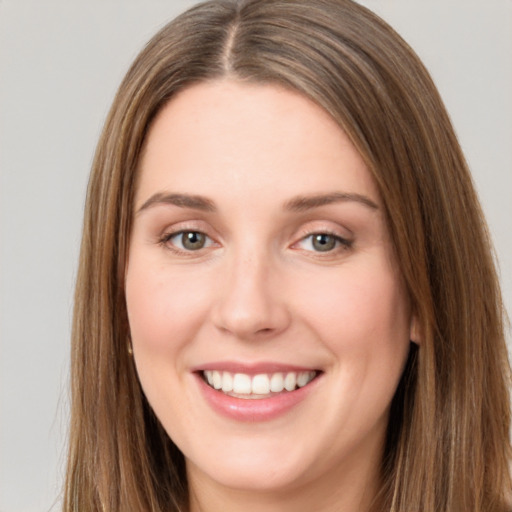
[323, 242]
[188, 240]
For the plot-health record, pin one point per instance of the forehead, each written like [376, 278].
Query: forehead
[248, 140]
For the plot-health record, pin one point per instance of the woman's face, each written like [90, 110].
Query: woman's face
[260, 261]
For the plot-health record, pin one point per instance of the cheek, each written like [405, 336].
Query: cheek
[165, 311]
[362, 315]
[163, 306]
[363, 319]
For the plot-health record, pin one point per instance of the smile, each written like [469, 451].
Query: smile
[263, 385]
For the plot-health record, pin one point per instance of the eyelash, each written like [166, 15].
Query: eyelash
[167, 237]
[341, 244]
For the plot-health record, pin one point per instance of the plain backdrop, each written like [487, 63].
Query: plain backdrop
[60, 64]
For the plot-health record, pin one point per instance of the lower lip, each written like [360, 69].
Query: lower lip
[257, 409]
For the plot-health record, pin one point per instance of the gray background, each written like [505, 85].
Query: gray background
[60, 64]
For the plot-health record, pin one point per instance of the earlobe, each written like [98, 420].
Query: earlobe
[414, 333]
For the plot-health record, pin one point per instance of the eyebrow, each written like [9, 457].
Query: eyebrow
[304, 203]
[296, 204]
[181, 200]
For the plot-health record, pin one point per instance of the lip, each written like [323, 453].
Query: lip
[253, 410]
[251, 368]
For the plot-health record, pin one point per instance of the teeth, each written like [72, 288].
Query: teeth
[290, 381]
[277, 383]
[261, 384]
[217, 380]
[303, 378]
[241, 383]
[227, 382]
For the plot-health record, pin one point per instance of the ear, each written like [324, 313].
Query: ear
[414, 333]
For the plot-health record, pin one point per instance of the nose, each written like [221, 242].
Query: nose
[251, 300]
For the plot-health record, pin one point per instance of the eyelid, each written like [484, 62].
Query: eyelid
[344, 242]
[172, 234]
[193, 225]
[344, 237]
[189, 226]
[328, 228]
[306, 232]
[179, 250]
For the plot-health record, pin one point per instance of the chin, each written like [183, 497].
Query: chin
[263, 465]
[256, 477]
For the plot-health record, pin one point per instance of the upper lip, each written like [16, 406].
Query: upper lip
[252, 368]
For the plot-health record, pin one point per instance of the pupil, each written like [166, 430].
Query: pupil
[323, 242]
[193, 240]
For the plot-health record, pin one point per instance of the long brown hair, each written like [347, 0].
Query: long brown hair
[448, 439]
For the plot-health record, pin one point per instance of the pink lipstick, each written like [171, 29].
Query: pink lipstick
[254, 392]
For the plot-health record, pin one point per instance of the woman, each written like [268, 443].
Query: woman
[286, 296]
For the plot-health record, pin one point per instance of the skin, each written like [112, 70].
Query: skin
[260, 290]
